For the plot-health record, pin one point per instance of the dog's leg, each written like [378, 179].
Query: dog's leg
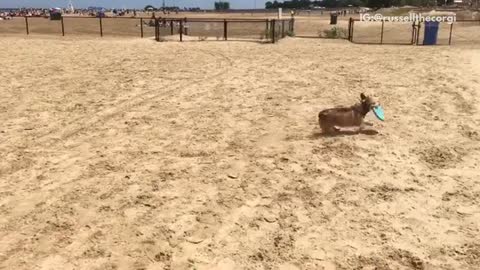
[362, 127]
[327, 129]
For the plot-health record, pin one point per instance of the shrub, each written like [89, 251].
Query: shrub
[335, 32]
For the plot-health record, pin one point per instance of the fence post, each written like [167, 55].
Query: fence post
[141, 27]
[418, 30]
[157, 38]
[171, 27]
[293, 25]
[450, 37]
[101, 26]
[350, 29]
[181, 30]
[63, 27]
[157, 30]
[381, 37]
[283, 28]
[267, 26]
[225, 29]
[273, 31]
[26, 25]
[353, 27]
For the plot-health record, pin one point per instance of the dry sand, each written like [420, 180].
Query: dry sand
[133, 154]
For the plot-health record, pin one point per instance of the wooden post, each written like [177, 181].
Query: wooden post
[267, 25]
[350, 29]
[141, 27]
[381, 37]
[418, 31]
[273, 31]
[225, 30]
[283, 28]
[450, 37]
[157, 29]
[26, 25]
[63, 27]
[293, 25]
[353, 27]
[101, 26]
[171, 27]
[181, 30]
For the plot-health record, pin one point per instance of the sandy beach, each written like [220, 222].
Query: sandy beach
[134, 154]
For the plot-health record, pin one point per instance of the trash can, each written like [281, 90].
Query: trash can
[333, 18]
[431, 33]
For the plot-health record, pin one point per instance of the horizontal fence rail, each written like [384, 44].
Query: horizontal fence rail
[224, 28]
[265, 29]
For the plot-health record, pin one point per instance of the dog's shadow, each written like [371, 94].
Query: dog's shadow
[369, 132]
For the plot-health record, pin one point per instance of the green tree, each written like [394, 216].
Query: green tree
[222, 5]
[375, 3]
[330, 3]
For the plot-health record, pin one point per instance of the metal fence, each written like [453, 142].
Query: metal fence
[223, 29]
[315, 27]
[77, 25]
[174, 28]
[412, 33]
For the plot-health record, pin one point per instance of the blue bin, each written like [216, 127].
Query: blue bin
[431, 33]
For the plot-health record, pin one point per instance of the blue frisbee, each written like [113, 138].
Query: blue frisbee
[378, 111]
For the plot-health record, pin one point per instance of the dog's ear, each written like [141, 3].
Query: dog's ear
[362, 96]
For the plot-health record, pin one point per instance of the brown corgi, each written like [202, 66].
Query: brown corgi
[332, 120]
